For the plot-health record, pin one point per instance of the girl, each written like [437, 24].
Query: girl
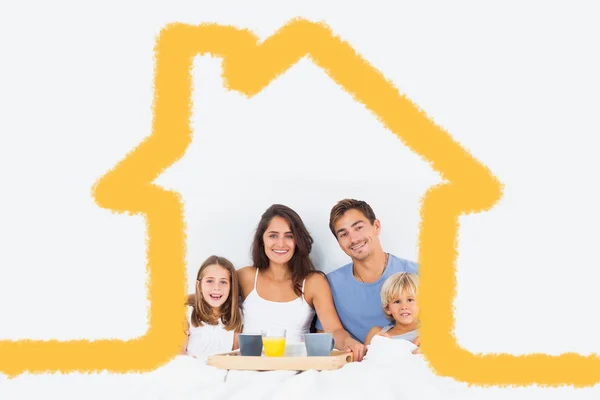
[398, 298]
[216, 318]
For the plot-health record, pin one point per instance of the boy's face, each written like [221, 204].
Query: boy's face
[355, 234]
[404, 308]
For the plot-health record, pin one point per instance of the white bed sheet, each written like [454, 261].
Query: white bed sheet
[390, 371]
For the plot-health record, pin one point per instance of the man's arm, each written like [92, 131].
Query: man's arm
[323, 305]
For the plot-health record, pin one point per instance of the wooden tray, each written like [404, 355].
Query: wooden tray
[234, 360]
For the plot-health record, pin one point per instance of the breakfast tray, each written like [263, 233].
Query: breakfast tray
[234, 360]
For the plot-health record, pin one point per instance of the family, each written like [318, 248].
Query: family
[375, 294]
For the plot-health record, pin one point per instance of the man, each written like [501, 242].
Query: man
[356, 286]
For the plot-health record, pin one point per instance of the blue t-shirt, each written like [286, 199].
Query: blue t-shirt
[358, 304]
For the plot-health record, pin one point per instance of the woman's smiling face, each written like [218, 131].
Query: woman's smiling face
[279, 241]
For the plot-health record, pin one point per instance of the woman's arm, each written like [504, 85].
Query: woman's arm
[318, 290]
[236, 344]
[245, 277]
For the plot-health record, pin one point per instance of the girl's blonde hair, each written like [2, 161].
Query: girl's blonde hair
[395, 285]
[231, 314]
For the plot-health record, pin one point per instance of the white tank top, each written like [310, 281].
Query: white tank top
[208, 339]
[260, 314]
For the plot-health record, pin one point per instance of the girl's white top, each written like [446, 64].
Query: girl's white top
[295, 316]
[209, 339]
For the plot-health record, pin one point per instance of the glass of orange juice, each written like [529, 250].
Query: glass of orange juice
[274, 342]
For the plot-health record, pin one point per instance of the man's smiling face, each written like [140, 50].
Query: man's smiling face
[355, 234]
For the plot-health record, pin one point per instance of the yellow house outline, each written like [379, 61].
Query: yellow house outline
[248, 67]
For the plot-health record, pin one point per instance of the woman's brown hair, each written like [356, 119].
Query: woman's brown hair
[300, 265]
[230, 310]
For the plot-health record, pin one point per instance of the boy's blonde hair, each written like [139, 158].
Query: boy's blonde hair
[395, 285]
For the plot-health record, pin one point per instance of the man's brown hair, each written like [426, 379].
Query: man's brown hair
[343, 206]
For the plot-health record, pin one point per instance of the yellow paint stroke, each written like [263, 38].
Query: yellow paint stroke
[249, 67]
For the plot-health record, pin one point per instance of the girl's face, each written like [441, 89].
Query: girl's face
[404, 308]
[215, 285]
[279, 241]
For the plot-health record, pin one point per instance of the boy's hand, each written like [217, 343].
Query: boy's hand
[417, 342]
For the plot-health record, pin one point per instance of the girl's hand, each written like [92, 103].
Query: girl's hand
[358, 349]
[186, 328]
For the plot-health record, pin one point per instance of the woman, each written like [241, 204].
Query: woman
[283, 288]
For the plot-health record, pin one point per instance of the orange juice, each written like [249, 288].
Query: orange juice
[274, 346]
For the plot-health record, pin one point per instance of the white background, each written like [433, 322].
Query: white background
[516, 83]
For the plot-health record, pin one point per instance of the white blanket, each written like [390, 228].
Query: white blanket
[389, 371]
